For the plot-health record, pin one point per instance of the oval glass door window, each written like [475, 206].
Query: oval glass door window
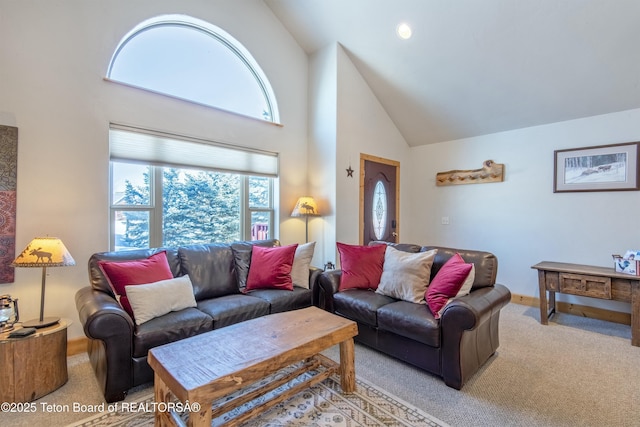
[379, 213]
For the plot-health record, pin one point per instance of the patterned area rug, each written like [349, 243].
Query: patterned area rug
[322, 405]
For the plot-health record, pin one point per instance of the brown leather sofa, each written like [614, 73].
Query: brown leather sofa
[453, 347]
[118, 347]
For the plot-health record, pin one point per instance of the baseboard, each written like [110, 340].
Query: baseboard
[578, 310]
[79, 345]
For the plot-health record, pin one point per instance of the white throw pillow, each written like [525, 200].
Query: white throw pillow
[468, 283]
[464, 290]
[406, 275]
[156, 299]
[301, 263]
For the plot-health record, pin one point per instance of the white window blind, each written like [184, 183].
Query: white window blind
[162, 149]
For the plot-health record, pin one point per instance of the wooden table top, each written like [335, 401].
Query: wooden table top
[57, 327]
[565, 267]
[237, 352]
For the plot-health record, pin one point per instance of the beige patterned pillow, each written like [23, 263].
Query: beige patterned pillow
[406, 275]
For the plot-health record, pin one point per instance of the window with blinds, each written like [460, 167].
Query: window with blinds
[170, 190]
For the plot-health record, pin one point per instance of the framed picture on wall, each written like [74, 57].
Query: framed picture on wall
[599, 168]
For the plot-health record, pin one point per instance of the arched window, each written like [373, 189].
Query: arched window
[194, 60]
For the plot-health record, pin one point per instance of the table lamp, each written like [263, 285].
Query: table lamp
[305, 207]
[43, 252]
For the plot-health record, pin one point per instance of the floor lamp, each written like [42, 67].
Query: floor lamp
[305, 207]
[43, 252]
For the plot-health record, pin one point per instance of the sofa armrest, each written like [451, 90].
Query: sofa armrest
[110, 332]
[327, 284]
[468, 311]
[470, 332]
[314, 274]
[101, 316]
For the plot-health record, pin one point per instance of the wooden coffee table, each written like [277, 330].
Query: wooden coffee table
[204, 368]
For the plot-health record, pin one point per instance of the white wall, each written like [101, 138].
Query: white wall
[55, 55]
[352, 122]
[521, 220]
[322, 151]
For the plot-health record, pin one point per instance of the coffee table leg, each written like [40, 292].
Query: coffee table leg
[161, 392]
[347, 366]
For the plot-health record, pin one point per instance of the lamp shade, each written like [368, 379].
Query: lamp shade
[305, 206]
[44, 252]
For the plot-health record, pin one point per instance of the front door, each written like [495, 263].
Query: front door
[379, 199]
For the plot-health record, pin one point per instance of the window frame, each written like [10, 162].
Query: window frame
[218, 35]
[155, 206]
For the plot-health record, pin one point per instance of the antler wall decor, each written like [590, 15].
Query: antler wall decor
[490, 172]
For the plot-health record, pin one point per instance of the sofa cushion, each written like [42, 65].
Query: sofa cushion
[242, 257]
[404, 247]
[171, 327]
[120, 274]
[410, 320]
[447, 283]
[99, 280]
[361, 265]
[485, 264]
[231, 309]
[159, 298]
[301, 264]
[282, 300]
[405, 275]
[360, 305]
[211, 269]
[271, 268]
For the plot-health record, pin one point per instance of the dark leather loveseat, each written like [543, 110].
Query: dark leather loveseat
[453, 347]
[118, 347]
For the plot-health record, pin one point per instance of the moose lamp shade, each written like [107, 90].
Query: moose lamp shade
[44, 252]
[305, 207]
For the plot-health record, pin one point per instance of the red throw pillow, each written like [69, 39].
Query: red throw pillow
[270, 268]
[447, 283]
[137, 272]
[361, 266]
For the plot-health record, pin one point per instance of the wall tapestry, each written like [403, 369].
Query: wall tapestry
[8, 178]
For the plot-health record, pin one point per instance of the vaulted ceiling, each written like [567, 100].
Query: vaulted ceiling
[475, 67]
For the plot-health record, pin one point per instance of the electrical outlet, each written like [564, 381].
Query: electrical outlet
[445, 220]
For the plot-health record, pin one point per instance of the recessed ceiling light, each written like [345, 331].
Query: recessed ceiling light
[404, 31]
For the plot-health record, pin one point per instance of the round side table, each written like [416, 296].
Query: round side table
[33, 366]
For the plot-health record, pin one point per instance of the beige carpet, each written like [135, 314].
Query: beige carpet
[573, 372]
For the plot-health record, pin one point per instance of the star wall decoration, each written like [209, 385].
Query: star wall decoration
[350, 172]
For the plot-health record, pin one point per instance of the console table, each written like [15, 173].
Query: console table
[588, 281]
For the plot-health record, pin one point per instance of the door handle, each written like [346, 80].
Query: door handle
[394, 234]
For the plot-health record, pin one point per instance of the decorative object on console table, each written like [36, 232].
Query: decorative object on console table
[588, 281]
[44, 252]
[599, 168]
[627, 264]
[490, 172]
[305, 206]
